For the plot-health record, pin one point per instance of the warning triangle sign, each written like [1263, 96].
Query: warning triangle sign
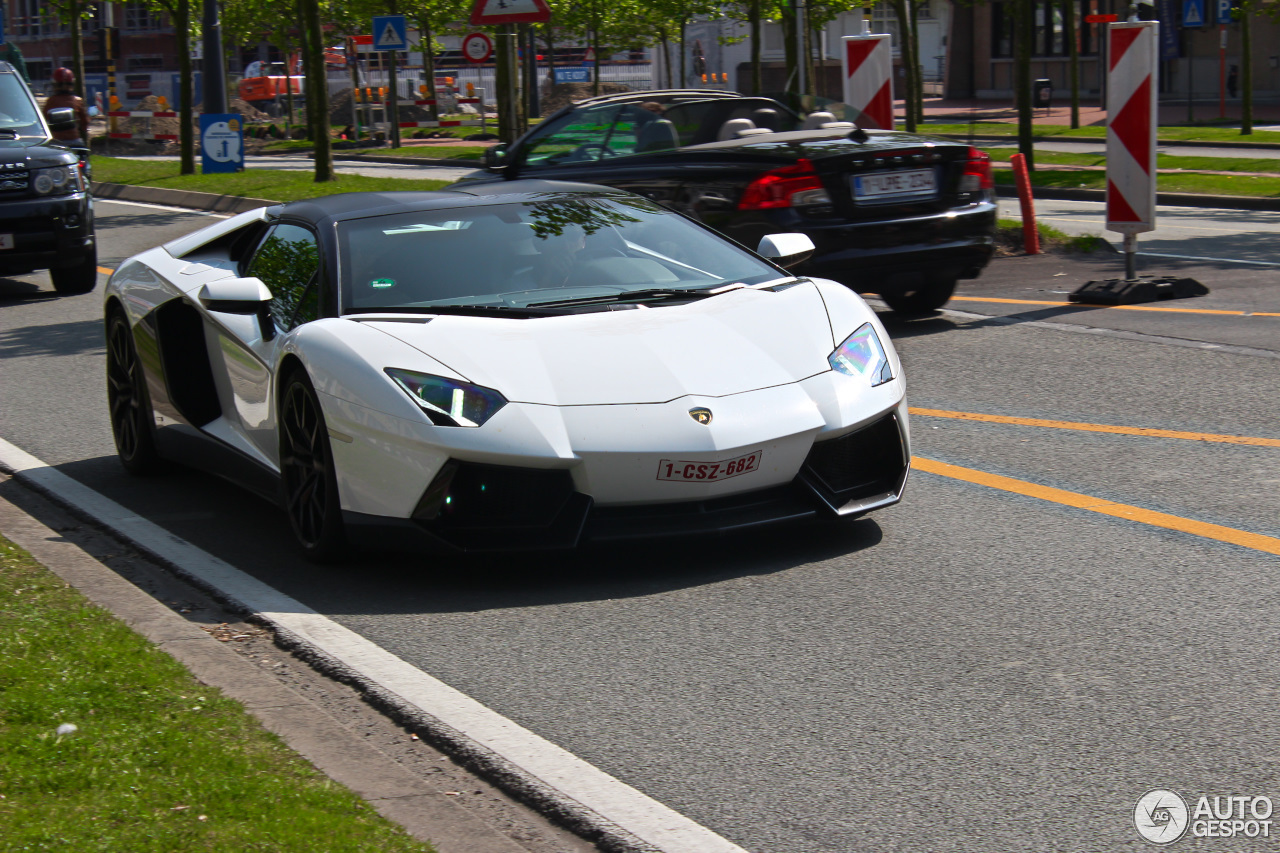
[1193, 13]
[486, 12]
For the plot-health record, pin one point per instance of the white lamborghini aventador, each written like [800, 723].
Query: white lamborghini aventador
[518, 365]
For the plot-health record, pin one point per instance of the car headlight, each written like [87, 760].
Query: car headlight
[448, 402]
[861, 354]
[58, 180]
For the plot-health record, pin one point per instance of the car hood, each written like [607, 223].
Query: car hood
[729, 344]
[34, 152]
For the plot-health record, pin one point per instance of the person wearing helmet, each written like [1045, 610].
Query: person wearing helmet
[64, 82]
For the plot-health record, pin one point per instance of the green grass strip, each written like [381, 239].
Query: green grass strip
[1049, 131]
[1223, 185]
[273, 184]
[1163, 161]
[157, 762]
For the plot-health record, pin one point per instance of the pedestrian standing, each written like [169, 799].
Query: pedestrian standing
[1233, 80]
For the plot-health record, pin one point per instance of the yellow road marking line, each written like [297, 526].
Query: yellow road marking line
[1086, 427]
[106, 270]
[1253, 541]
[1117, 307]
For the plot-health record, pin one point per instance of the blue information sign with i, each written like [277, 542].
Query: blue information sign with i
[221, 143]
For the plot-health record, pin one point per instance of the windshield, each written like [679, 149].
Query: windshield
[18, 108]
[518, 255]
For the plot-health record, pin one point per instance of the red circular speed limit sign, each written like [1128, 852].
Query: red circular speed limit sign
[477, 47]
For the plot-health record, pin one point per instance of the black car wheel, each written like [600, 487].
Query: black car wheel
[81, 278]
[127, 400]
[307, 475]
[923, 298]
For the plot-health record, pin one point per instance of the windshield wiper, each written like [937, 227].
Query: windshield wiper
[632, 296]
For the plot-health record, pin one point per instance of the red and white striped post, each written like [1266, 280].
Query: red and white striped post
[1133, 50]
[868, 78]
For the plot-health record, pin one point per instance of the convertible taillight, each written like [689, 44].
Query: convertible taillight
[977, 172]
[791, 186]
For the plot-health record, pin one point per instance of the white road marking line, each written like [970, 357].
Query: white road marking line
[189, 210]
[1210, 260]
[582, 789]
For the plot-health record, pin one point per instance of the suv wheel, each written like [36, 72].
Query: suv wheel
[923, 298]
[81, 278]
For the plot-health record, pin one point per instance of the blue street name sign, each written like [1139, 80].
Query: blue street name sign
[389, 33]
[221, 143]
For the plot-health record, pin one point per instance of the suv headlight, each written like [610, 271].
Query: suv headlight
[861, 354]
[448, 402]
[58, 180]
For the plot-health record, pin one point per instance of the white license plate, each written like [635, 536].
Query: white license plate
[879, 186]
[706, 472]
[6, 241]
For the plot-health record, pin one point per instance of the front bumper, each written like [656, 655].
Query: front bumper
[484, 507]
[47, 232]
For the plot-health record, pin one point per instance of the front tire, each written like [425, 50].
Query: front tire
[307, 474]
[81, 278]
[128, 401]
[923, 298]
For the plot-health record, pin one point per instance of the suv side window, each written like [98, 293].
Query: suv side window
[287, 262]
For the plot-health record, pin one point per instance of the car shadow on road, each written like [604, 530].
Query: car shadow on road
[253, 535]
[81, 336]
[23, 291]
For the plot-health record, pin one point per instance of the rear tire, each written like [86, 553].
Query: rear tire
[128, 401]
[81, 278]
[307, 474]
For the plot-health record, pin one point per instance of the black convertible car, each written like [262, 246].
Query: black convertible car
[898, 214]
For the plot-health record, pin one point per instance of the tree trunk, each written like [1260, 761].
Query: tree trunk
[1073, 52]
[901, 12]
[1246, 69]
[317, 91]
[1023, 32]
[917, 63]
[77, 53]
[757, 71]
[186, 89]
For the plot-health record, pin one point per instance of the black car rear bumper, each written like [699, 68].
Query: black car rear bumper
[957, 243]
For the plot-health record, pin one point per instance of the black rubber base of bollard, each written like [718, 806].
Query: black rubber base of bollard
[1121, 291]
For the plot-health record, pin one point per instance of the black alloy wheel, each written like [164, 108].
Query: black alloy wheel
[306, 473]
[127, 400]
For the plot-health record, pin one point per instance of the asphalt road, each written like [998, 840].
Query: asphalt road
[983, 667]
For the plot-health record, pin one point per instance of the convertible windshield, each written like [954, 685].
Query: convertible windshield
[522, 254]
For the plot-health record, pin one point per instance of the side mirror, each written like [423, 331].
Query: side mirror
[786, 250]
[495, 158]
[246, 296]
[62, 118]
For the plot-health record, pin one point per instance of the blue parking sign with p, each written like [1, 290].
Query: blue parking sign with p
[1224, 10]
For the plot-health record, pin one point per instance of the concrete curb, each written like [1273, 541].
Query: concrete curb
[234, 204]
[340, 754]
[211, 202]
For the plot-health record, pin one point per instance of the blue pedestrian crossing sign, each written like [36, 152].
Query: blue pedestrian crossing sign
[389, 33]
[1193, 13]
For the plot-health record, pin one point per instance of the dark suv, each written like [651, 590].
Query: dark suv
[46, 212]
